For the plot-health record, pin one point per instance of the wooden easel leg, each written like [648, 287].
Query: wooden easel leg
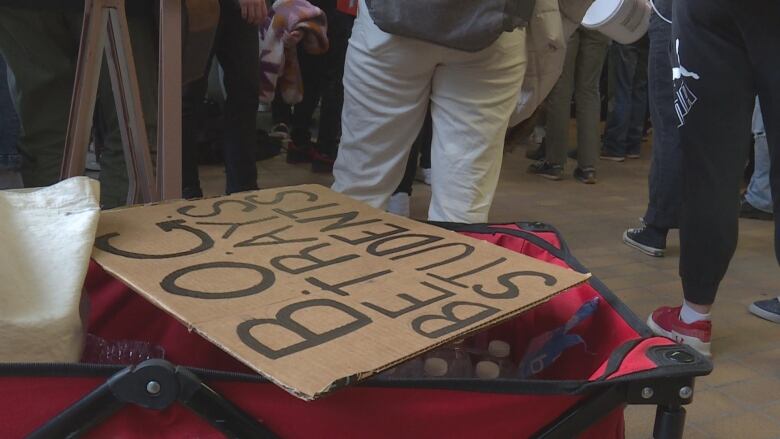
[105, 28]
[169, 102]
[85, 89]
[124, 82]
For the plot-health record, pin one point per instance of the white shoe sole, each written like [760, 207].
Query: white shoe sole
[650, 251]
[766, 315]
[702, 347]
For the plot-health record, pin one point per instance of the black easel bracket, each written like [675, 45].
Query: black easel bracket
[154, 384]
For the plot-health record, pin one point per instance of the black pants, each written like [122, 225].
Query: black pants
[665, 179]
[726, 52]
[237, 48]
[322, 79]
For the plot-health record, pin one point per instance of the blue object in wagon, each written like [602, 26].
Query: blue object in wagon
[547, 347]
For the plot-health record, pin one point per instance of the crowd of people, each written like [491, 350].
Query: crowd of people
[403, 82]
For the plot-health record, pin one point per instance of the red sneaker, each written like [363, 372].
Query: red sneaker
[665, 321]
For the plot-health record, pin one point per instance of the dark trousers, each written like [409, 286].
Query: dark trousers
[623, 134]
[237, 48]
[726, 52]
[665, 179]
[9, 125]
[420, 148]
[322, 80]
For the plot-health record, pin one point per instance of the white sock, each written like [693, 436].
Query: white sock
[689, 315]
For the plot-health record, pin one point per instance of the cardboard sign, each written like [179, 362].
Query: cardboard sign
[313, 289]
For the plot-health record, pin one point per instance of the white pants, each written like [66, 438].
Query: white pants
[388, 83]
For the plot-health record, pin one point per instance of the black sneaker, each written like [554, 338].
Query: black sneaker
[546, 169]
[585, 175]
[647, 239]
[573, 154]
[746, 210]
[606, 155]
[537, 153]
[767, 309]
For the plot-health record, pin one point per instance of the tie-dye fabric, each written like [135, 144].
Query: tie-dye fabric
[278, 48]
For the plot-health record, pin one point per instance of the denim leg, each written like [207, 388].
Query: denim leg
[639, 98]
[623, 58]
[759, 193]
[665, 179]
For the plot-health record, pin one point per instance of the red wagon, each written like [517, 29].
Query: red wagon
[201, 392]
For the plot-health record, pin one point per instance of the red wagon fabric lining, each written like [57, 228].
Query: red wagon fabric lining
[616, 348]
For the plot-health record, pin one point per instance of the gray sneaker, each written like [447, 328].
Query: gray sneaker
[767, 309]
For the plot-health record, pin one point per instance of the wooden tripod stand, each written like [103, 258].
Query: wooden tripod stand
[105, 30]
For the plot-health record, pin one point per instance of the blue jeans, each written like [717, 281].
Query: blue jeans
[623, 134]
[759, 193]
[665, 180]
[9, 125]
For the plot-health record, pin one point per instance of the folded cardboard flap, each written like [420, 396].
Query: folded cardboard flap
[47, 237]
[313, 289]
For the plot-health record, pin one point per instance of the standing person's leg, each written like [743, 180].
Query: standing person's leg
[763, 38]
[10, 160]
[473, 96]
[332, 91]
[281, 117]
[425, 138]
[636, 125]
[312, 66]
[387, 82]
[623, 61]
[192, 110]
[239, 54]
[757, 202]
[665, 178]
[714, 124]
[39, 49]
[590, 61]
[558, 106]
[9, 124]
